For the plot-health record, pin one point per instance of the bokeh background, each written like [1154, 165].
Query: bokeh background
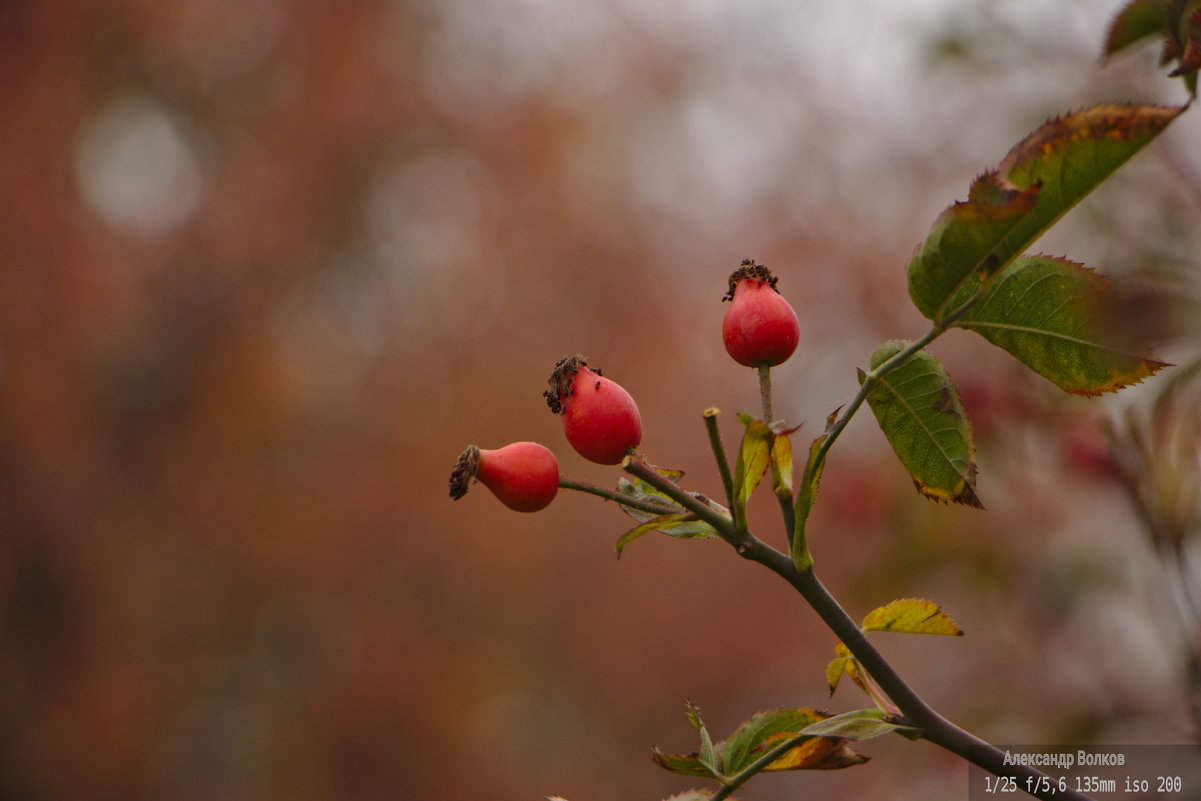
[267, 266]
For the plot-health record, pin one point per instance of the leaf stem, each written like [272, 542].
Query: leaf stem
[614, 495]
[765, 392]
[869, 382]
[719, 453]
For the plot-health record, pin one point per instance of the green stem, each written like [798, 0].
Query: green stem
[765, 392]
[743, 776]
[719, 453]
[870, 380]
[614, 495]
[917, 713]
[900, 357]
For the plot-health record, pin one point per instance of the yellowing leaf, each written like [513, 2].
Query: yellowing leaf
[754, 458]
[835, 671]
[911, 616]
[815, 753]
[845, 664]
[781, 465]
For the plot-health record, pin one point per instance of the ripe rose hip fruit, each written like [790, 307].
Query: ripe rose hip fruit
[523, 475]
[760, 328]
[600, 418]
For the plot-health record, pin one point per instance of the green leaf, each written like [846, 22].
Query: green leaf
[835, 671]
[961, 241]
[911, 616]
[1038, 181]
[923, 419]
[707, 756]
[682, 525]
[1060, 319]
[862, 724]
[754, 458]
[1138, 20]
[705, 762]
[752, 733]
[807, 494]
[676, 521]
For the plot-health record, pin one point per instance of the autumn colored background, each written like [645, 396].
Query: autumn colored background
[266, 267]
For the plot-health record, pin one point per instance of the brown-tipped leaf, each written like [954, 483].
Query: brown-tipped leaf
[814, 753]
[962, 239]
[1038, 181]
[757, 737]
[1063, 321]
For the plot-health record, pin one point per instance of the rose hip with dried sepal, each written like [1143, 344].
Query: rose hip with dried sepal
[600, 418]
[760, 328]
[524, 476]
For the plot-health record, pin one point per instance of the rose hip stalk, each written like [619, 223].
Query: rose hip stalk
[600, 418]
[760, 328]
[523, 475]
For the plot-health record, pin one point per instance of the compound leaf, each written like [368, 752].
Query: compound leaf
[1059, 319]
[922, 417]
[911, 616]
[1039, 180]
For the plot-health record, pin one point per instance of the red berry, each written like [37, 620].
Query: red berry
[600, 418]
[760, 328]
[523, 475]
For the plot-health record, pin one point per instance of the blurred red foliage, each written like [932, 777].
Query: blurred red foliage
[266, 267]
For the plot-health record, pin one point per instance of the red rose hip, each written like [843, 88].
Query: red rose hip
[524, 476]
[600, 418]
[760, 328]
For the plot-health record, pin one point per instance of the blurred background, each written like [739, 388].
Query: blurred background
[267, 266]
